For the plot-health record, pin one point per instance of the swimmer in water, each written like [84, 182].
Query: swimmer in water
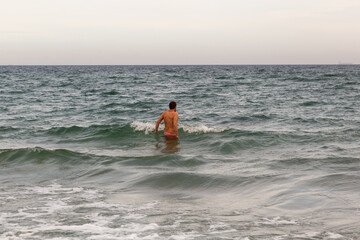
[170, 118]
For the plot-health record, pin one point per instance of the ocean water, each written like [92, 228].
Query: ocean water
[265, 152]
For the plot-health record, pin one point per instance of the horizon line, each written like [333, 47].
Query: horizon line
[257, 64]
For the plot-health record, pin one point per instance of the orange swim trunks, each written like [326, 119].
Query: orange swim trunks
[169, 135]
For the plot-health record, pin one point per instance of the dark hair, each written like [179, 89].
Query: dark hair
[172, 105]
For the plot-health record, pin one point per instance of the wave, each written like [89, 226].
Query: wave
[170, 172]
[124, 131]
[138, 135]
[202, 129]
[5, 129]
[310, 103]
[149, 127]
[311, 163]
[188, 181]
[41, 155]
[99, 157]
[93, 133]
[337, 181]
[110, 93]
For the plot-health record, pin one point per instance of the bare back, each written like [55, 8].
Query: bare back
[170, 120]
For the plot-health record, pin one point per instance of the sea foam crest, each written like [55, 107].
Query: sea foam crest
[149, 127]
[201, 129]
[144, 126]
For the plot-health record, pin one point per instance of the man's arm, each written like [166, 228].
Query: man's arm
[158, 123]
[176, 124]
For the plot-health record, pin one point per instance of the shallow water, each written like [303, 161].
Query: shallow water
[265, 152]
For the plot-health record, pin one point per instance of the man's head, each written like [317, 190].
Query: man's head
[172, 105]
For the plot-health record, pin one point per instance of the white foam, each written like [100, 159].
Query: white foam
[334, 235]
[149, 127]
[277, 221]
[185, 236]
[135, 216]
[144, 126]
[99, 228]
[329, 235]
[54, 189]
[220, 228]
[280, 237]
[307, 235]
[201, 129]
[55, 199]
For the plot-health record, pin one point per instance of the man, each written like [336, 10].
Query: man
[170, 118]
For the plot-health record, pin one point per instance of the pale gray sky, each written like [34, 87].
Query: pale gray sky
[179, 31]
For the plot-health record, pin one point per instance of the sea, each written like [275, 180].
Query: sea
[264, 152]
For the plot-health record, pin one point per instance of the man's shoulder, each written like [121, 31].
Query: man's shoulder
[173, 113]
[169, 113]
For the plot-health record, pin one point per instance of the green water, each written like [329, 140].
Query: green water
[265, 152]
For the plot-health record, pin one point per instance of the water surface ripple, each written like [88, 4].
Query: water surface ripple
[265, 152]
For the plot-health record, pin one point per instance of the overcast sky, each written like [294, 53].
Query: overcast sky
[179, 31]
